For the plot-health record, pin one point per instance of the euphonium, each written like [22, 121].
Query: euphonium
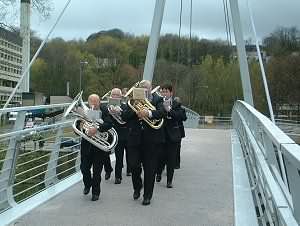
[138, 104]
[105, 141]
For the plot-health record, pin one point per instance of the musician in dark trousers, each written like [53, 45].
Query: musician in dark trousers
[143, 143]
[168, 153]
[122, 130]
[182, 132]
[91, 156]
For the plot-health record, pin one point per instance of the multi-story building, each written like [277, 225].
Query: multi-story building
[10, 66]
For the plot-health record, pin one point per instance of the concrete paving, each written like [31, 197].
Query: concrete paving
[202, 193]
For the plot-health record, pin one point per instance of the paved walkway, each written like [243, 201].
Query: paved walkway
[202, 193]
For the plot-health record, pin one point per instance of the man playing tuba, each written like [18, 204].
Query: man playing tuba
[91, 156]
[144, 141]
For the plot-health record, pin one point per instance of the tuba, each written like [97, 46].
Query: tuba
[105, 141]
[138, 103]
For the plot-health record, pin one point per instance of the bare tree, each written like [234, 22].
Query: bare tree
[9, 10]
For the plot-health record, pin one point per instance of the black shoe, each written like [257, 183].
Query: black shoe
[146, 202]
[117, 181]
[128, 174]
[86, 190]
[95, 197]
[158, 177]
[169, 185]
[136, 194]
[107, 175]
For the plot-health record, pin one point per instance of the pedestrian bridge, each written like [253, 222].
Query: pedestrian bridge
[247, 175]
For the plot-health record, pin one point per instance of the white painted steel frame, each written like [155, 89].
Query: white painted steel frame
[277, 200]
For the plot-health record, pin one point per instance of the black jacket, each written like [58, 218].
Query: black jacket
[107, 121]
[139, 131]
[182, 118]
[171, 122]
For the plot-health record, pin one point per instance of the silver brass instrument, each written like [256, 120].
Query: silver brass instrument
[140, 103]
[168, 105]
[105, 141]
[114, 104]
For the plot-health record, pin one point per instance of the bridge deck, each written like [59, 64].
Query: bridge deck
[202, 193]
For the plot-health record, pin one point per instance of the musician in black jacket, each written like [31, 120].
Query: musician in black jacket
[143, 144]
[115, 110]
[182, 132]
[91, 156]
[172, 134]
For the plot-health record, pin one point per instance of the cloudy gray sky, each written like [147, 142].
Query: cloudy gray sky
[135, 16]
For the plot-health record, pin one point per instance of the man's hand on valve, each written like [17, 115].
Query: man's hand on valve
[92, 131]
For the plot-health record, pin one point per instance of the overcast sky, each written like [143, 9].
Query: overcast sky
[135, 16]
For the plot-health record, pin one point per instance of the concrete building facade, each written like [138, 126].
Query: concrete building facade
[10, 66]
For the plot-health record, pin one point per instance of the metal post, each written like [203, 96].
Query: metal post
[8, 170]
[50, 175]
[154, 40]
[238, 33]
[25, 34]
[80, 77]
[82, 63]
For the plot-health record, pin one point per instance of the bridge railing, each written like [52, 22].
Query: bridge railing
[192, 118]
[273, 164]
[36, 163]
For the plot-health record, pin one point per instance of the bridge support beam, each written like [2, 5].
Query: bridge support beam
[154, 40]
[25, 34]
[240, 44]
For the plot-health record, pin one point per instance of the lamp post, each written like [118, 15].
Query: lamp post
[82, 63]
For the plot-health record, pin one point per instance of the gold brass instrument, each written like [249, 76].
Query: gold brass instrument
[139, 102]
[105, 141]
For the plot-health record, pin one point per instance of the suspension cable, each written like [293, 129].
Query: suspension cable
[35, 55]
[190, 42]
[179, 34]
[226, 24]
[261, 64]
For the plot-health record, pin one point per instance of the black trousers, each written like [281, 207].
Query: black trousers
[119, 153]
[177, 163]
[107, 163]
[144, 155]
[167, 157]
[92, 157]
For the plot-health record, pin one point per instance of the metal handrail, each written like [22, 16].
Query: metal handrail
[271, 159]
[32, 108]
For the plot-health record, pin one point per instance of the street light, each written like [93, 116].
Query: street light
[82, 63]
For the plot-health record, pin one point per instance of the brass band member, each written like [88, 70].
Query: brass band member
[182, 132]
[91, 156]
[172, 133]
[143, 143]
[115, 110]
